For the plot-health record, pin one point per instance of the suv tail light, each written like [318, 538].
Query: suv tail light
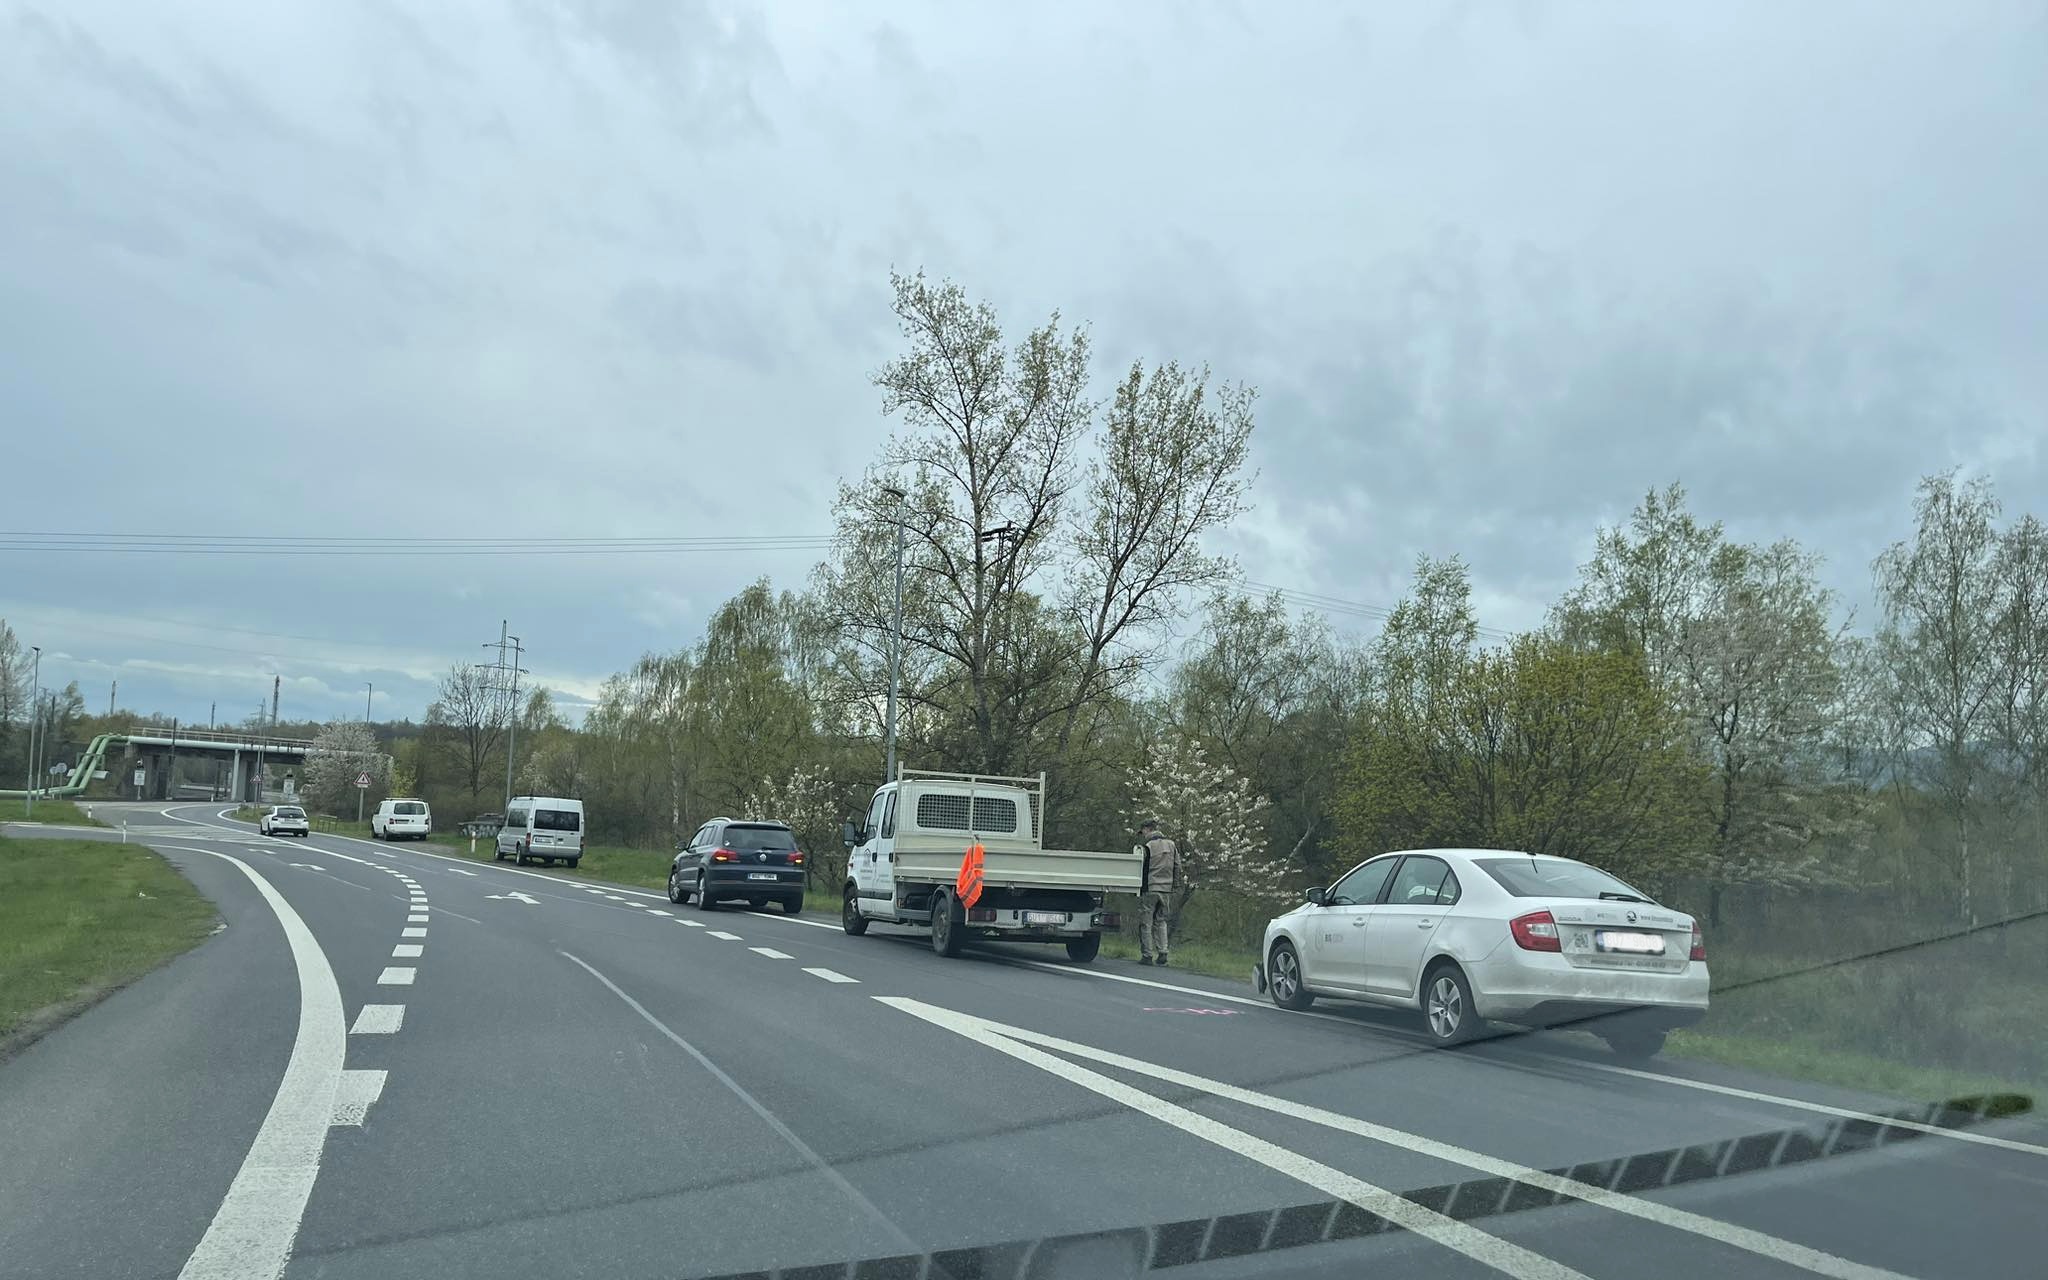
[1699, 943]
[1536, 931]
[723, 855]
[796, 859]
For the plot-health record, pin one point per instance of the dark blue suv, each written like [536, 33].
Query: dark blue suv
[726, 860]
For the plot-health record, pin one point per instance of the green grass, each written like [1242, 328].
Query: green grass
[1214, 959]
[58, 811]
[81, 918]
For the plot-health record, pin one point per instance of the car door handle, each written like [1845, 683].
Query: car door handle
[1424, 924]
[1358, 923]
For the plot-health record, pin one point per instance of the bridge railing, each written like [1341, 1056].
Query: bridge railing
[226, 737]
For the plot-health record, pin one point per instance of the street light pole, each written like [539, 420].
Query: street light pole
[372, 687]
[896, 645]
[35, 715]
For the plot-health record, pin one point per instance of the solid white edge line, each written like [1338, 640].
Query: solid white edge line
[1757, 1242]
[251, 1235]
[1502, 1255]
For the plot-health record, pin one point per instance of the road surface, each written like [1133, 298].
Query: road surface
[396, 1063]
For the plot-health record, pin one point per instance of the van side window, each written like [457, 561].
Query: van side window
[516, 818]
[889, 816]
[875, 812]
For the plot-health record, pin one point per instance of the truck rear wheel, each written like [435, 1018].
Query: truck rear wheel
[850, 918]
[1084, 949]
[949, 924]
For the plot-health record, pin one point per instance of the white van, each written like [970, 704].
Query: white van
[548, 828]
[402, 820]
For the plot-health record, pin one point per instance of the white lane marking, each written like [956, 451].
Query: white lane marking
[657, 911]
[771, 953]
[830, 976]
[598, 891]
[515, 896]
[378, 1020]
[461, 872]
[354, 1096]
[408, 951]
[396, 977]
[252, 1232]
[1750, 1095]
[1756, 1242]
[417, 917]
[613, 897]
[694, 924]
[1460, 1237]
[419, 932]
[802, 1148]
[309, 866]
[720, 933]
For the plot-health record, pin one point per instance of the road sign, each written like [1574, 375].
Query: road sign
[362, 780]
[138, 775]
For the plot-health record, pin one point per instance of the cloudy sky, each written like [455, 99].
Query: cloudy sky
[619, 268]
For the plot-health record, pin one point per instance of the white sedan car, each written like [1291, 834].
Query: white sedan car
[1471, 935]
[284, 820]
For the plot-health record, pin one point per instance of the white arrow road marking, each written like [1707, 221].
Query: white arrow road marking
[514, 896]
[309, 866]
[378, 1020]
[460, 872]
[771, 953]
[252, 1232]
[1756, 1242]
[357, 1091]
[829, 976]
[1460, 1237]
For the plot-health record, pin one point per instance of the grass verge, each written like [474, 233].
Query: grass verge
[79, 919]
[1827, 1064]
[1208, 958]
[62, 812]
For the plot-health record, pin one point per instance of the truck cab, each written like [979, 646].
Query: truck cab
[907, 854]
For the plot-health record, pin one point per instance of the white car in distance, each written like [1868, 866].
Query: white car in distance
[284, 820]
[1468, 936]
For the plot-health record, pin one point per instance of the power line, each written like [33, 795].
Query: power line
[322, 545]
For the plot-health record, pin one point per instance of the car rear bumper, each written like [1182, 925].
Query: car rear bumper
[288, 829]
[734, 880]
[1543, 989]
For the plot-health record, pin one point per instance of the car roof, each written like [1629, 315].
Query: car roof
[1486, 853]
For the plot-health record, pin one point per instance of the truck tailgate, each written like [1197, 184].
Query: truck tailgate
[1016, 865]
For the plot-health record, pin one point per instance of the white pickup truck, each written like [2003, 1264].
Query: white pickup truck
[905, 859]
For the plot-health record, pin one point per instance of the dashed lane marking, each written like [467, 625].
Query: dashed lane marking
[417, 932]
[771, 953]
[408, 951]
[417, 917]
[694, 924]
[657, 911]
[354, 1096]
[378, 1020]
[720, 933]
[396, 977]
[830, 975]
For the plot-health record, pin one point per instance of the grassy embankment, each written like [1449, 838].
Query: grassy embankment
[62, 812]
[79, 919]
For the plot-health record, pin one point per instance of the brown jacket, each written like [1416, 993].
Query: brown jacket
[1162, 864]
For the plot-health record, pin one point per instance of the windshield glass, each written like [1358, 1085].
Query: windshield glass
[1553, 878]
[763, 839]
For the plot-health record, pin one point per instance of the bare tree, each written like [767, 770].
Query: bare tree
[471, 717]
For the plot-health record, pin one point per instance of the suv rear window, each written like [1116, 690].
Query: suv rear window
[409, 807]
[1552, 878]
[761, 839]
[557, 820]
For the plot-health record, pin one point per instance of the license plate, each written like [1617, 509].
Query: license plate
[1045, 917]
[760, 875]
[1639, 944]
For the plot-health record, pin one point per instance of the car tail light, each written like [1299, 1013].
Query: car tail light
[1536, 931]
[1110, 920]
[981, 915]
[1699, 943]
[796, 859]
[723, 855]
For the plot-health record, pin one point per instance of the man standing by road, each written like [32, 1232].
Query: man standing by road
[1162, 868]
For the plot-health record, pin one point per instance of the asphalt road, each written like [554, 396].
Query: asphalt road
[392, 1062]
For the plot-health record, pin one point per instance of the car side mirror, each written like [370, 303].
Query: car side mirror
[850, 835]
[1318, 897]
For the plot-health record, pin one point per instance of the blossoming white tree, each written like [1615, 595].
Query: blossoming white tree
[1211, 811]
[340, 751]
[803, 799]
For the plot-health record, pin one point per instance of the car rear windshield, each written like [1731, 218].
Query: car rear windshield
[409, 806]
[1553, 878]
[759, 839]
[291, 813]
[557, 820]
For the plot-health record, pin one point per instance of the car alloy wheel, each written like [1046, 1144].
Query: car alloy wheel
[1286, 976]
[1446, 1007]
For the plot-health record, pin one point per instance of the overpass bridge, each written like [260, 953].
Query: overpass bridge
[244, 760]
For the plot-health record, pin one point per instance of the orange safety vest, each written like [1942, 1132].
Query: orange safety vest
[968, 885]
